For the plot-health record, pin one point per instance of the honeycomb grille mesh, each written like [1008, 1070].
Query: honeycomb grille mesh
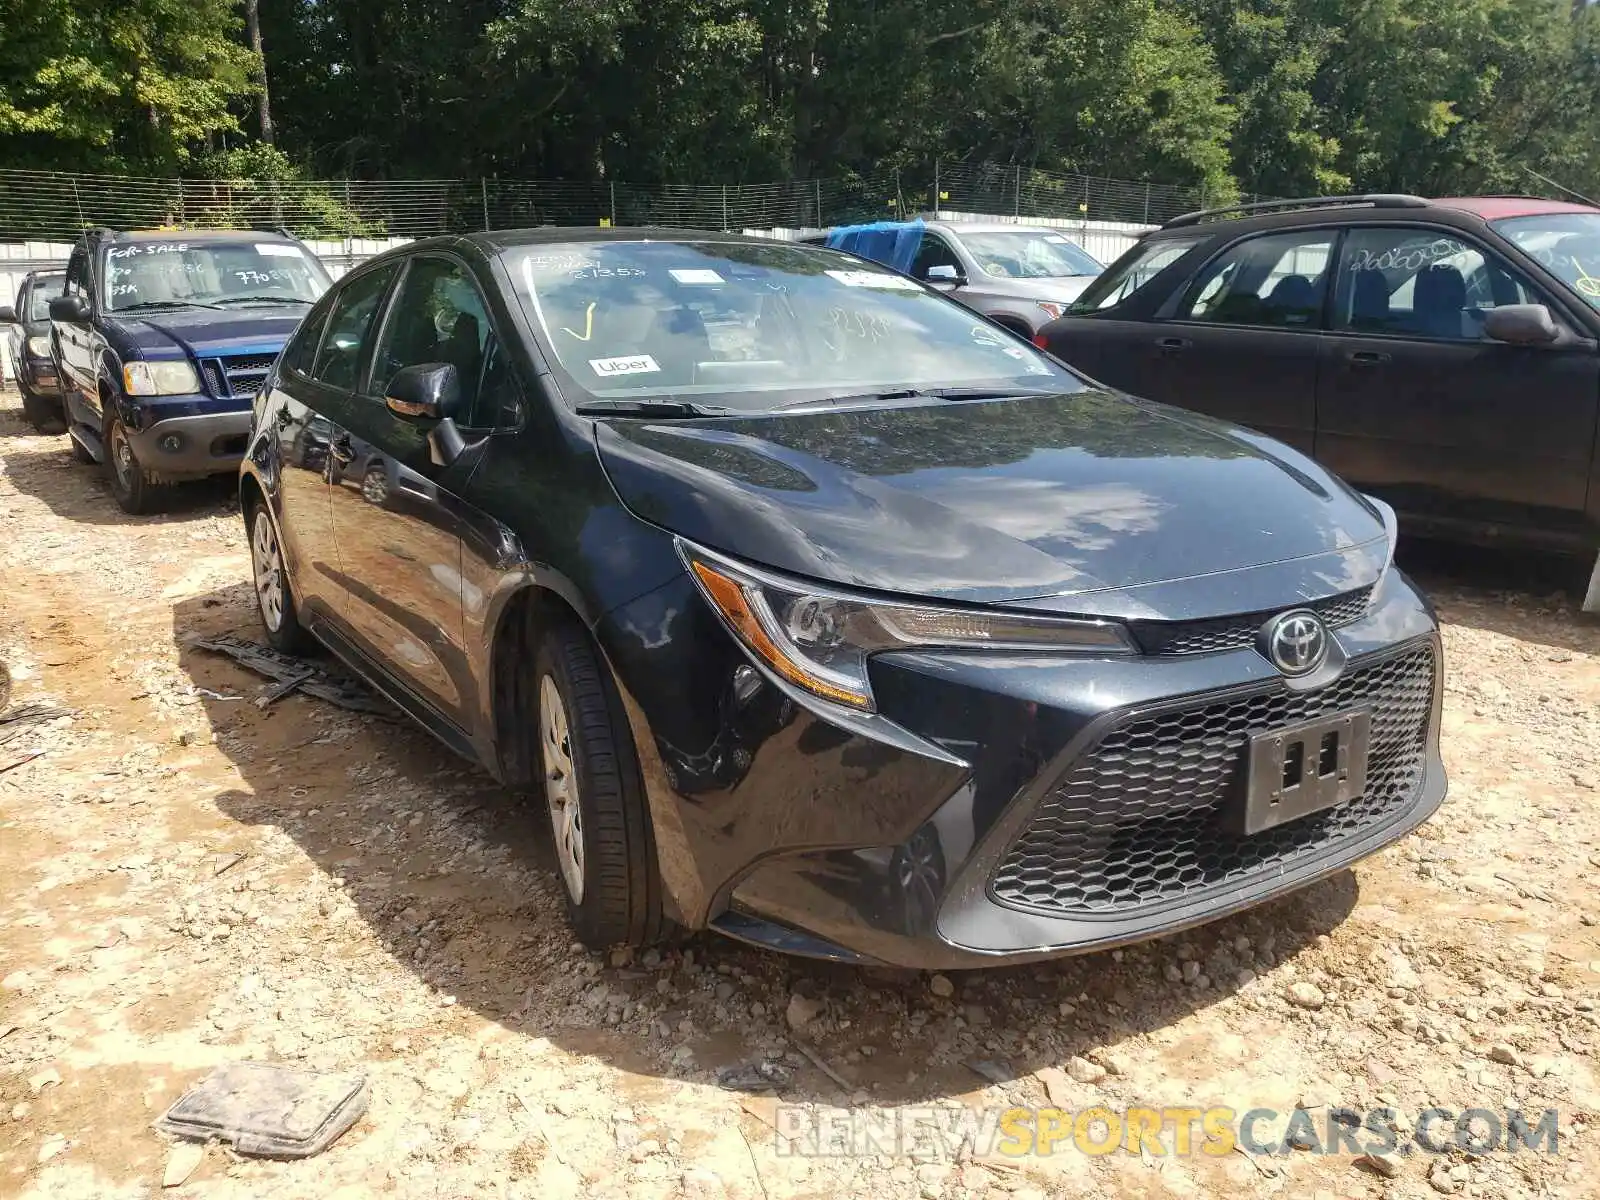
[1235, 633]
[1136, 821]
[240, 375]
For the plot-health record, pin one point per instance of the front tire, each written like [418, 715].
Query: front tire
[275, 602]
[131, 485]
[598, 816]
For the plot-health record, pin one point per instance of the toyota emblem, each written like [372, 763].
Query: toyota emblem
[1297, 642]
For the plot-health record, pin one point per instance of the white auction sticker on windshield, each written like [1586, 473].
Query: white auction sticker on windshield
[874, 279]
[278, 250]
[695, 277]
[633, 364]
[1056, 238]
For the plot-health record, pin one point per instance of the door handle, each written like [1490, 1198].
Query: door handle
[1367, 358]
[1172, 345]
[341, 450]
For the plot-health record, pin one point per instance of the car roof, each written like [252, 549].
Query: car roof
[1493, 207]
[1324, 210]
[192, 235]
[547, 235]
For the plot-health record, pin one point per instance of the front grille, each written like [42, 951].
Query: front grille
[1237, 632]
[1138, 820]
[239, 375]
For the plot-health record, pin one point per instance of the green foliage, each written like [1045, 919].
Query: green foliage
[117, 84]
[1279, 97]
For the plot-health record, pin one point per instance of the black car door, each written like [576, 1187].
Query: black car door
[397, 515]
[1242, 340]
[1416, 403]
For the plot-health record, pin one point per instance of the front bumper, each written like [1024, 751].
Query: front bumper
[1005, 808]
[191, 445]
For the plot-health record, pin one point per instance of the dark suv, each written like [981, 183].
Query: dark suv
[161, 341]
[1443, 354]
[29, 334]
[814, 611]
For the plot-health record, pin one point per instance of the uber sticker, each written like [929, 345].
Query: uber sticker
[695, 277]
[278, 250]
[633, 364]
[874, 279]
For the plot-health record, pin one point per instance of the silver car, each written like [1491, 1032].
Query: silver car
[1019, 275]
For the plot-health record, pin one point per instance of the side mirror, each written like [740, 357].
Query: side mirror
[945, 273]
[425, 390]
[8, 315]
[68, 308]
[1521, 325]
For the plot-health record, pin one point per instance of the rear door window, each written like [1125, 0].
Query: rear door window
[1278, 280]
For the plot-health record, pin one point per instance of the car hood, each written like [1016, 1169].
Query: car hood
[1055, 499]
[207, 332]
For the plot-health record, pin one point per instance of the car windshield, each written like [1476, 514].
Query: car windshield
[211, 273]
[45, 288]
[758, 325]
[1028, 254]
[1567, 243]
[1131, 272]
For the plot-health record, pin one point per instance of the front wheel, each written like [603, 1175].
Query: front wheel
[598, 816]
[135, 492]
[275, 604]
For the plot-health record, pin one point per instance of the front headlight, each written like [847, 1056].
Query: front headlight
[820, 640]
[176, 378]
[39, 347]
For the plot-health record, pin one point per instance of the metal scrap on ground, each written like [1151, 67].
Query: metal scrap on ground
[295, 674]
[268, 1111]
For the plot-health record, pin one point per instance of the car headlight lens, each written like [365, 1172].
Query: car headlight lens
[159, 379]
[820, 640]
[1052, 309]
[39, 347]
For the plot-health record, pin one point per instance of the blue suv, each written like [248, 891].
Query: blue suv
[161, 342]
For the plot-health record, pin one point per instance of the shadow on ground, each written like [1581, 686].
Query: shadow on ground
[46, 470]
[420, 836]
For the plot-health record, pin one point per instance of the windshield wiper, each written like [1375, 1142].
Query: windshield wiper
[264, 300]
[868, 399]
[163, 304]
[649, 408]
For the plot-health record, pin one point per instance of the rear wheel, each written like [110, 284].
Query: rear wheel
[275, 603]
[42, 412]
[130, 483]
[595, 800]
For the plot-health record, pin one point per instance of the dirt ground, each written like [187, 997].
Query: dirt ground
[188, 879]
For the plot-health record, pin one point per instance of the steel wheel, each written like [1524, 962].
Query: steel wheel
[561, 786]
[122, 456]
[268, 562]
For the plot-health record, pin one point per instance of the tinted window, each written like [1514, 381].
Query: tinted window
[43, 288]
[757, 324]
[1028, 254]
[338, 362]
[933, 251]
[1132, 271]
[210, 272]
[301, 352]
[76, 266]
[1277, 281]
[437, 317]
[1420, 283]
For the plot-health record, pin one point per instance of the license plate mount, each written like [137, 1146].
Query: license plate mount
[1302, 769]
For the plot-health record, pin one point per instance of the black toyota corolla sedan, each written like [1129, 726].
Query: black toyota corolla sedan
[815, 609]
